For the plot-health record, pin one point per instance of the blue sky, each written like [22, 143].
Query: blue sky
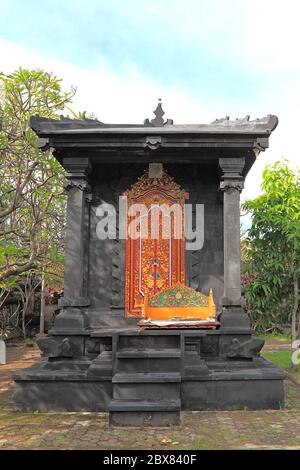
[204, 58]
[188, 43]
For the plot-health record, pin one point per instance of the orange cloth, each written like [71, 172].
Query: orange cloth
[181, 313]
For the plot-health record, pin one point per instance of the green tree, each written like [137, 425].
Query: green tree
[32, 204]
[272, 254]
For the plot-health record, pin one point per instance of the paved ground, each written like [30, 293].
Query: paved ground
[273, 345]
[199, 430]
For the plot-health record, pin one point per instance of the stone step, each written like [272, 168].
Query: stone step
[144, 405]
[149, 342]
[148, 353]
[144, 418]
[151, 391]
[149, 365]
[230, 365]
[151, 377]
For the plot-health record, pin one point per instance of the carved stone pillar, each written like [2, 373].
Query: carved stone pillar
[75, 298]
[231, 185]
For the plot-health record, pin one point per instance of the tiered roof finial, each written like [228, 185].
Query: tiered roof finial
[158, 121]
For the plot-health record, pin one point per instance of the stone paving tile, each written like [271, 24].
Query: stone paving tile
[198, 430]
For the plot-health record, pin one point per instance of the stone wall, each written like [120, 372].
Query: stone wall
[204, 268]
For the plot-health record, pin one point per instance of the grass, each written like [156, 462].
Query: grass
[283, 360]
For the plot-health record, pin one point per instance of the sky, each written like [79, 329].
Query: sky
[204, 58]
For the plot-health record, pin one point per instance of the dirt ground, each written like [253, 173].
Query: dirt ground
[198, 430]
[274, 345]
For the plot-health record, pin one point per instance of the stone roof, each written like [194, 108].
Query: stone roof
[46, 127]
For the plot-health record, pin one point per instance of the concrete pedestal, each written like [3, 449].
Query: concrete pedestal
[147, 377]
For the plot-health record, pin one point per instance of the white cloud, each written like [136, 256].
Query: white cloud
[270, 35]
[133, 96]
[129, 98]
[259, 35]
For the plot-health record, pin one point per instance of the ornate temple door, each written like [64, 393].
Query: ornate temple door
[155, 246]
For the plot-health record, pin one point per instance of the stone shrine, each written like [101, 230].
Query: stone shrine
[148, 327]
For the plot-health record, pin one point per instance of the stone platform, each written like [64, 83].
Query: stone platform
[145, 377]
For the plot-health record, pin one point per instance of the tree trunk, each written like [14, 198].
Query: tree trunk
[24, 322]
[43, 305]
[296, 305]
[43, 287]
[295, 327]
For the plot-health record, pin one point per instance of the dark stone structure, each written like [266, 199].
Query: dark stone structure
[97, 359]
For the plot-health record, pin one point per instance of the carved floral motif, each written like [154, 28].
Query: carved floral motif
[82, 185]
[153, 264]
[178, 296]
[166, 183]
[232, 185]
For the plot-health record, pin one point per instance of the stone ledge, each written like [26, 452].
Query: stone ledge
[151, 377]
[144, 405]
[62, 376]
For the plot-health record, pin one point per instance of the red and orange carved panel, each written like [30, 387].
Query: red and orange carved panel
[153, 263]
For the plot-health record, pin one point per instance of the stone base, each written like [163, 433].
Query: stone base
[146, 377]
[234, 318]
[241, 393]
[74, 394]
[57, 395]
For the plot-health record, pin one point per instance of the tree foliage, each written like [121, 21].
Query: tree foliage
[32, 203]
[272, 251]
[31, 199]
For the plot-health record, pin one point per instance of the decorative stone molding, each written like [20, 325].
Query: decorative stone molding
[153, 142]
[232, 178]
[245, 350]
[266, 124]
[77, 168]
[78, 172]
[232, 167]
[164, 183]
[158, 121]
[256, 127]
[75, 302]
[232, 185]
[53, 348]
[82, 185]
